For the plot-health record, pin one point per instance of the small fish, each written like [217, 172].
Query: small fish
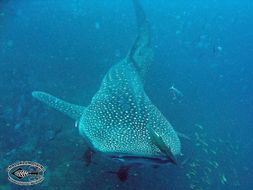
[202, 142]
[176, 94]
[199, 126]
[185, 161]
[193, 164]
[182, 135]
[223, 179]
[216, 165]
[188, 176]
[197, 144]
[192, 173]
[192, 186]
[205, 150]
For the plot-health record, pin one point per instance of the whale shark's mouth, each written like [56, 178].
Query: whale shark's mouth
[141, 159]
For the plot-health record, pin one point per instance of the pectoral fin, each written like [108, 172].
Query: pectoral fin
[71, 110]
[159, 142]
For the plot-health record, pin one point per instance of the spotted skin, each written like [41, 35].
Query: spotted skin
[119, 113]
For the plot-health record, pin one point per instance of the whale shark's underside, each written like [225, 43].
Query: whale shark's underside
[121, 121]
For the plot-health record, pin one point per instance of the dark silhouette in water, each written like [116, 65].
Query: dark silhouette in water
[88, 155]
[122, 173]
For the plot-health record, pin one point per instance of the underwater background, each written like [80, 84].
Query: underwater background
[202, 48]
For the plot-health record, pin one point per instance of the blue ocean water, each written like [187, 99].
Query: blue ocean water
[202, 48]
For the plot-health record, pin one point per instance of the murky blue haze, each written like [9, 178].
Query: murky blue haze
[202, 48]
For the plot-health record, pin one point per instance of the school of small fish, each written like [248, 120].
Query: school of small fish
[208, 170]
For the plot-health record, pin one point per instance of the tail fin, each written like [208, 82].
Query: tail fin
[140, 14]
[71, 110]
[141, 53]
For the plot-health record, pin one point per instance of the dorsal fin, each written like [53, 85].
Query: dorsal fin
[71, 110]
[141, 53]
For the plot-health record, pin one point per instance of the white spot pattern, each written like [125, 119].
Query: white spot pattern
[117, 118]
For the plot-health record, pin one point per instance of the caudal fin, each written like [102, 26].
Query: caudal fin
[71, 110]
[141, 53]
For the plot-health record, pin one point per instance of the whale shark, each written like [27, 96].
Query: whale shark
[121, 121]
